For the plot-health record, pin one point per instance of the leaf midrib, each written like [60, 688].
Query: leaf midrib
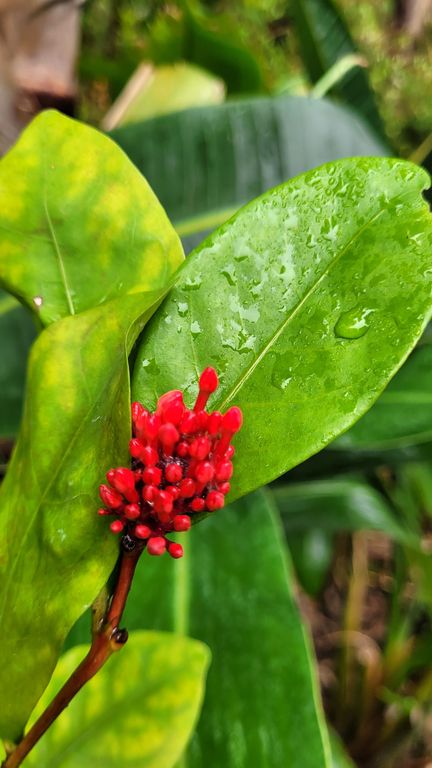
[280, 329]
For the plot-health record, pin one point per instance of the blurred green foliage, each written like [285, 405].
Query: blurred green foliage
[253, 46]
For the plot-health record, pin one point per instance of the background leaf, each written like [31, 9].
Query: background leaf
[233, 590]
[324, 38]
[139, 710]
[74, 233]
[205, 163]
[56, 552]
[17, 332]
[339, 504]
[306, 302]
[155, 91]
[314, 512]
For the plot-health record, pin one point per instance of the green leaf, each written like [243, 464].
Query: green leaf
[312, 553]
[17, 332]
[233, 591]
[307, 302]
[313, 512]
[205, 163]
[56, 552]
[79, 225]
[403, 414]
[211, 40]
[334, 505]
[139, 710]
[324, 39]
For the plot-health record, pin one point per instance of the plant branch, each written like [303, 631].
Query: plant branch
[107, 639]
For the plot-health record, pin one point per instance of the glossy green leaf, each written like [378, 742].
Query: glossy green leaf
[205, 163]
[403, 414]
[307, 302]
[233, 591]
[17, 332]
[56, 553]
[334, 505]
[138, 712]
[324, 39]
[79, 225]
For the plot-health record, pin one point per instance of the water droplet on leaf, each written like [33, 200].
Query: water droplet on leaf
[353, 324]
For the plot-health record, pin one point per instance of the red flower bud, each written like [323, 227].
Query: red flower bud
[152, 475]
[214, 500]
[187, 488]
[181, 465]
[142, 531]
[156, 546]
[204, 472]
[163, 502]
[189, 423]
[175, 550]
[173, 472]
[200, 448]
[149, 456]
[181, 523]
[197, 504]
[232, 420]
[110, 497]
[132, 511]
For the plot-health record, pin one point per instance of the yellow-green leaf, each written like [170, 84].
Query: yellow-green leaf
[79, 225]
[138, 712]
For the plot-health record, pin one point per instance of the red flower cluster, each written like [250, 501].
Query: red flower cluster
[181, 465]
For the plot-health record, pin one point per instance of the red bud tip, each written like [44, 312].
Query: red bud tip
[132, 511]
[152, 475]
[224, 488]
[200, 448]
[110, 497]
[149, 456]
[187, 488]
[232, 420]
[142, 531]
[175, 550]
[181, 523]
[173, 491]
[224, 471]
[189, 423]
[208, 381]
[163, 502]
[137, 410]
[149, 493]
[173, 473]
[117, 526]
[197, 504]
[204, 472]
[182, 449]
[171, 406]
[102, 511]
[156, 546]
[214, 500]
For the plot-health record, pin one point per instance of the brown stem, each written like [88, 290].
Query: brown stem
[108, 639]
